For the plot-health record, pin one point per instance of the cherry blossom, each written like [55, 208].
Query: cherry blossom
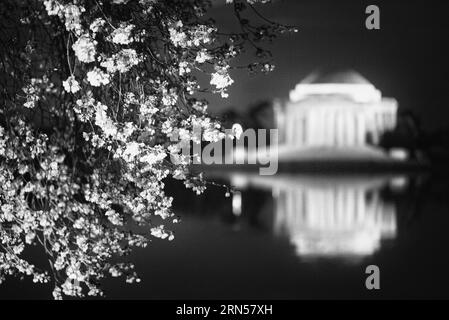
[71, 85]
[96, 77]
[122, 35]
[221, 80]
[85, 49]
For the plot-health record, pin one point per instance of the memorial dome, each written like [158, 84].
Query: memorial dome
[348, 84]
[344, 76]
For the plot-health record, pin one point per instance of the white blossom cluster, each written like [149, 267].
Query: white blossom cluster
[221, 80]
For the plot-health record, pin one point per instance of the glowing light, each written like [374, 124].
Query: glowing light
[399, 154]
[237, 203]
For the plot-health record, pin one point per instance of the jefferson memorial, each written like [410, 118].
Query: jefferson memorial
[333, 114]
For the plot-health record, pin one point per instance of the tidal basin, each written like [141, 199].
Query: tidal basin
[271, 243]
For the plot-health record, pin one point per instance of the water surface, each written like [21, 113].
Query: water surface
[294, 236]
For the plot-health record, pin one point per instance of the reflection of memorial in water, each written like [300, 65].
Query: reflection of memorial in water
[329, 216]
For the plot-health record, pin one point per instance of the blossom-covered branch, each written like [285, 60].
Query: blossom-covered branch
[92, 92]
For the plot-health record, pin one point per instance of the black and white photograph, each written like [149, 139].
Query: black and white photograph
[224, 154]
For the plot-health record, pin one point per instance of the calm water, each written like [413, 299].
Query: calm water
[295, 236]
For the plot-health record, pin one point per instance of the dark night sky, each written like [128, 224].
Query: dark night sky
[406, 59]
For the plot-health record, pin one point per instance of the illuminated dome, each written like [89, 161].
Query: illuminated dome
[350, 84]
[346, 76]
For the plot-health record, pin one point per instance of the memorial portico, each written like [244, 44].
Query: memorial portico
[337, 110]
